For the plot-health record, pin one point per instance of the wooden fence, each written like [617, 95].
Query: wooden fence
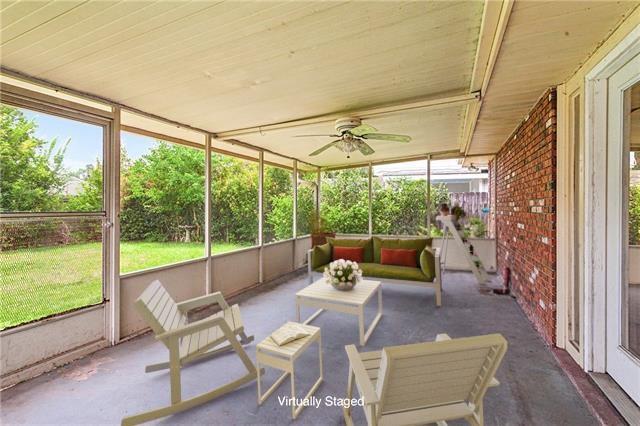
[473, 203]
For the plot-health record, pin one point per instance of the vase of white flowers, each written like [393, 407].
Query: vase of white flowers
[343, 274]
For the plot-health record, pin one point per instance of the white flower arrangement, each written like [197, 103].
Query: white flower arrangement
[343, 274]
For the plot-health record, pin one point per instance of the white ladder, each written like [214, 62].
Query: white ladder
[474, 261]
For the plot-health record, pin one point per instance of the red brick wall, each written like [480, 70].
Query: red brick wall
[525, 205]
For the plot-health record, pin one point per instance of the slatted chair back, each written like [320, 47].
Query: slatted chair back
[424, 375]
[159, 310]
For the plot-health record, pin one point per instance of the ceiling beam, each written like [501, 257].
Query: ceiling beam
[439, 155]
[492, 29]
[423, 103]
[253, 147]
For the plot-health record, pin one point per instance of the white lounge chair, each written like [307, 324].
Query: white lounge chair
[188, 342]
[425, 382]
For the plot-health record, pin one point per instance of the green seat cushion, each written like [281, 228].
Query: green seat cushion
[320, 256]
[417, 244]
[321, 267]
[428, 263]
[388, 271]
[393, 272]
[366, 243]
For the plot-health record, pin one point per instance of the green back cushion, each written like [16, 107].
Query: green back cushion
[428, 263]
[417, 244]
[321, 255]
[365, 243]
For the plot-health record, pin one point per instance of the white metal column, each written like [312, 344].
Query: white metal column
[207, 215]
[113, 216]
[261, 214]
[295, 213]
[429, 194]
[318, 195]
[370, 188]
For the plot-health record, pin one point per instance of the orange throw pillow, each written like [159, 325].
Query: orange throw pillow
[355, 254]
[399, 257]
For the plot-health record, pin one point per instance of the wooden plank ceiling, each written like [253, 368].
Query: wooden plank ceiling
[545, 42]
[224, 66]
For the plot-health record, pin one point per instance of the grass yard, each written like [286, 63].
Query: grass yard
[38, 282]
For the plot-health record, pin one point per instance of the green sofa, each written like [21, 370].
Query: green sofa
[427, 274]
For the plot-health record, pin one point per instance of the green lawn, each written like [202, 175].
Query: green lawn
[38, 282]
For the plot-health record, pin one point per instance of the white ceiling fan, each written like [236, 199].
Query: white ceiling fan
[351, 134]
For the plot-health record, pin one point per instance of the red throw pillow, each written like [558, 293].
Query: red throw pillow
[355, 254]
[399, 257]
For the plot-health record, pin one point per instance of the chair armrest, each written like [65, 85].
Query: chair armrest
[195, 327]
[362, 378]
[207, 299]
[442, 337]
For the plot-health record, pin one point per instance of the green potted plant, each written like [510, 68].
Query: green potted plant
[477, 228]
[319, 231]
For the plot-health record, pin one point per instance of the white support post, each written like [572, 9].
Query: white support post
[370, 187]
[261, 214]
[207, 215]
[318, 194]
[113, 227]
[295, 213]
[429, 194]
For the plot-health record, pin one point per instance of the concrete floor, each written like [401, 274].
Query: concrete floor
[110, 384]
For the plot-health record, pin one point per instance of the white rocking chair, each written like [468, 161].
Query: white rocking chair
[425, 382]
[188, 342]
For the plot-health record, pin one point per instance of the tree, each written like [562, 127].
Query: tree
[306, 201]
[399, 207]
[234, 191]
[90, 196]
[278, 204]
[634, 215]
[165, 189]
[32, 177]
[345, 205]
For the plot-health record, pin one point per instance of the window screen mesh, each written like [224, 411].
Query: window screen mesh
[48, 266]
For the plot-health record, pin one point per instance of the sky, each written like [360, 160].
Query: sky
[86, 139]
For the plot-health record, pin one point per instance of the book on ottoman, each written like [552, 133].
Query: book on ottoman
[288, 333]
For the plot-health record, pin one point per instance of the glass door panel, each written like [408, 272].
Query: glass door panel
[631, 221]
[623, 213]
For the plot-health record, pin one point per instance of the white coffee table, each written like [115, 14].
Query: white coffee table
[323, 296]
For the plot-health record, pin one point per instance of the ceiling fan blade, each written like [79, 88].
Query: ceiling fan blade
[363, 129]
[365, 149]
[324, 148]
[387, 137]
[313, 136]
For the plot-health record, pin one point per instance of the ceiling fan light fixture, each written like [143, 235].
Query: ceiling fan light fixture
[351, 134]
